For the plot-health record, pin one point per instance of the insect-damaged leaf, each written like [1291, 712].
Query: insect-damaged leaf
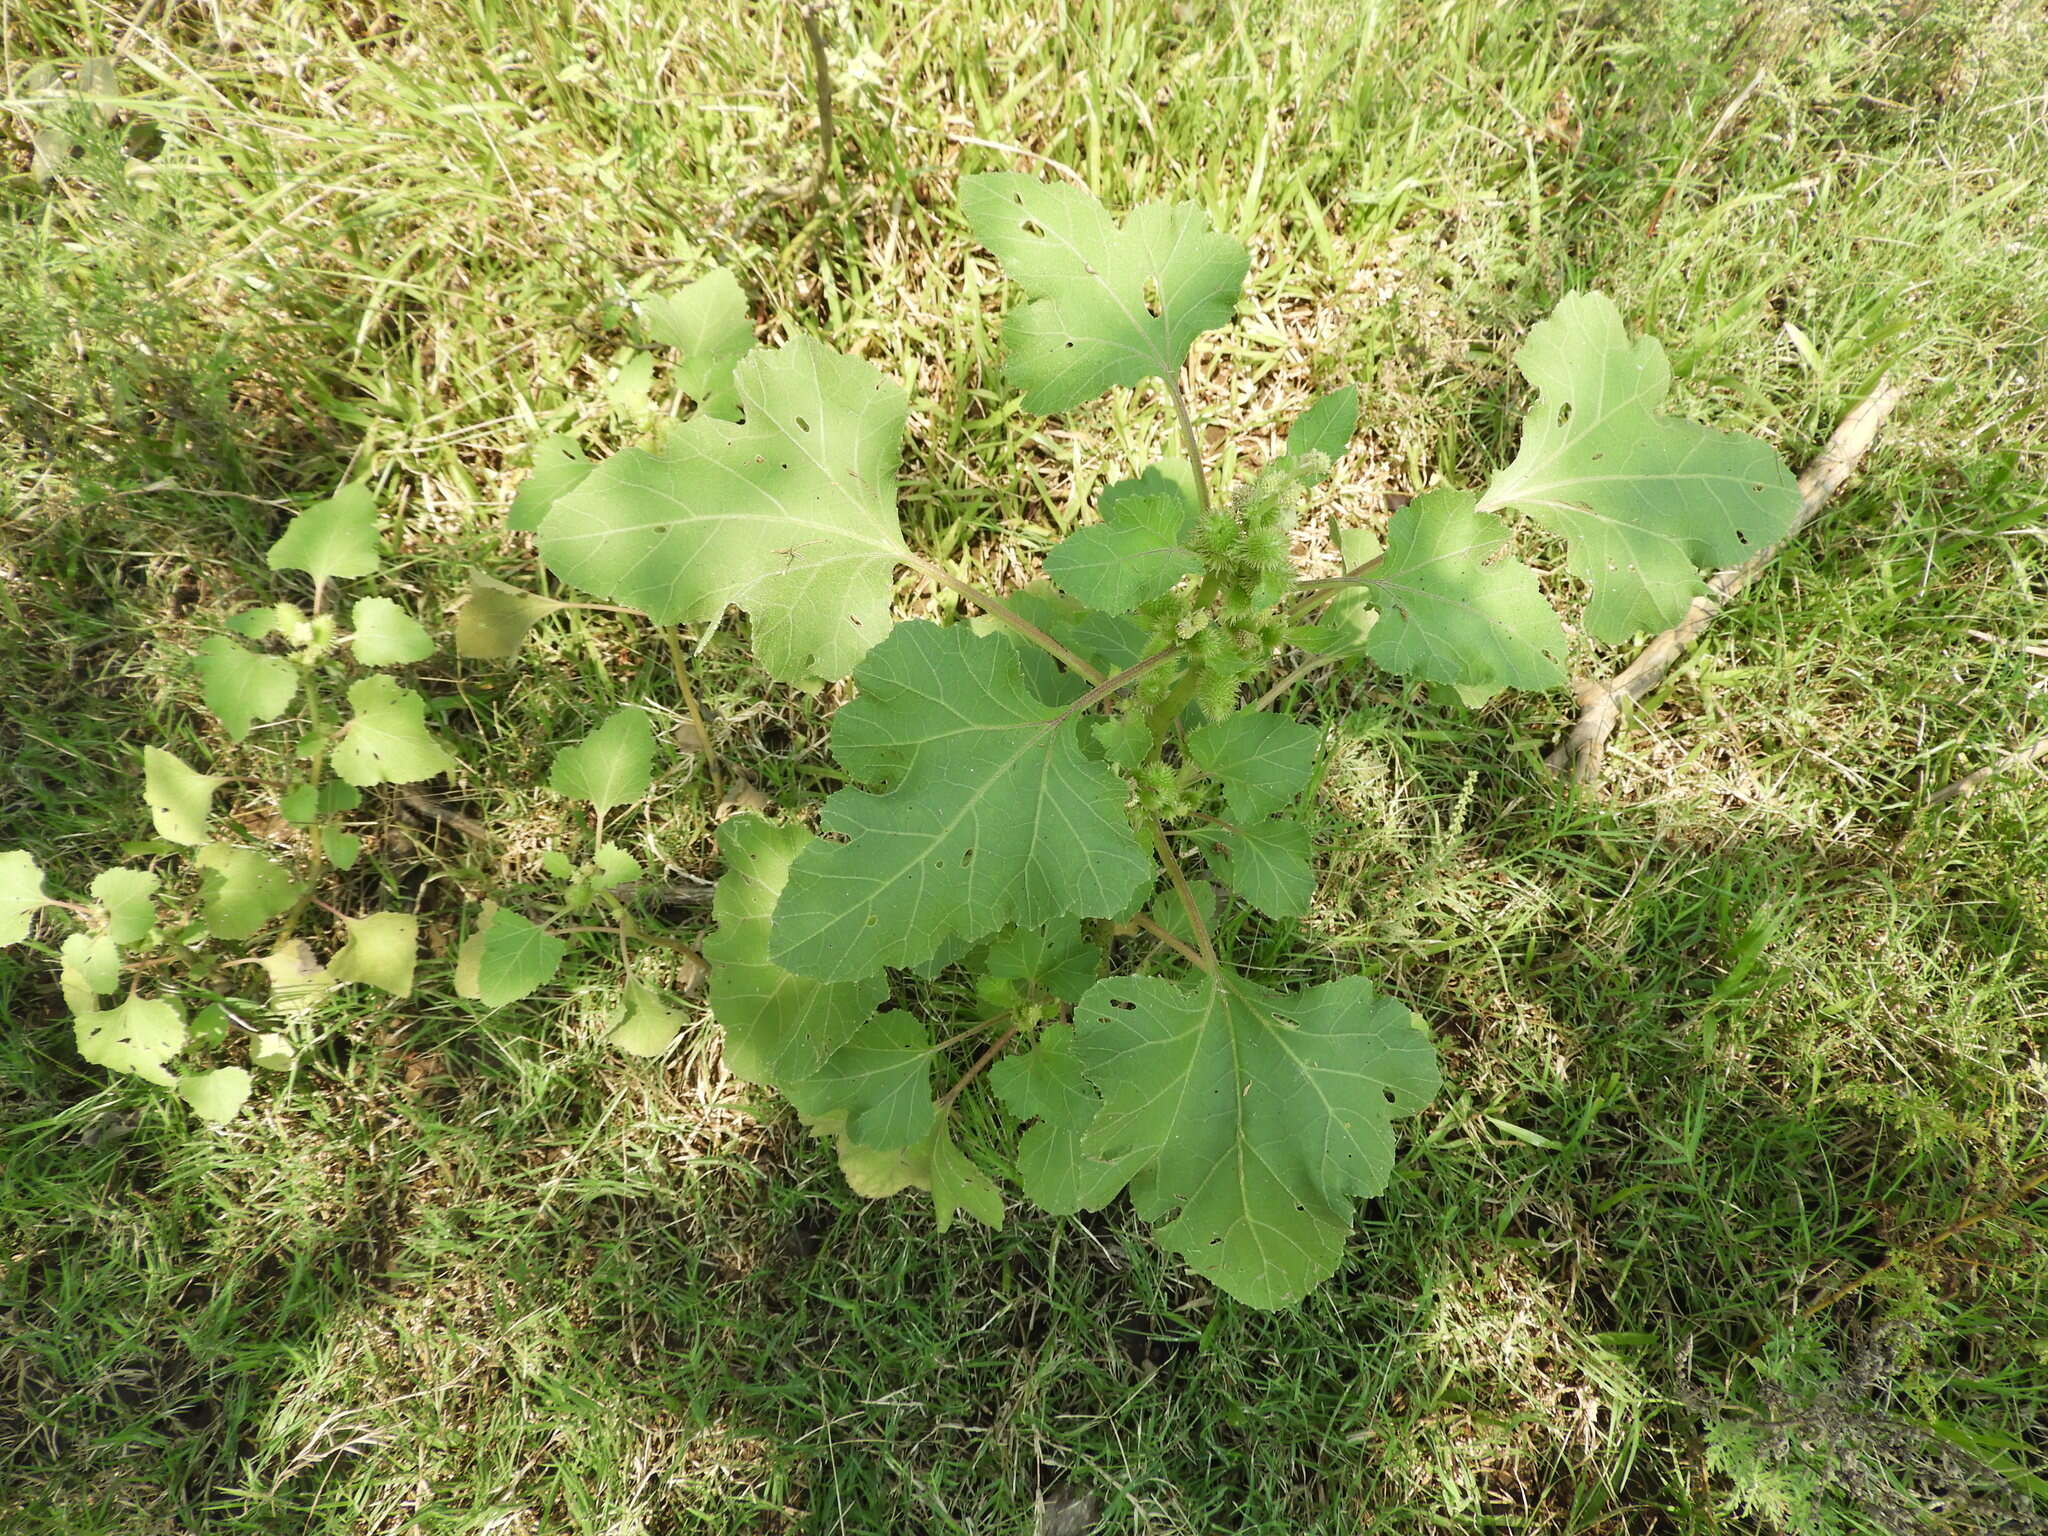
[1251, 1118]
[1111, 305]
[990, 813]
[708, 324]
[180, 798]
[791, 515]
[138, 1037]
[21, 895]
[1643, 500]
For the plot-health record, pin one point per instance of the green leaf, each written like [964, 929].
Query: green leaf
[778, 1027]
[1348, 622]
[1266, 862]
[387, 740]
[1134, 554]
[336, 537]
[650, 1026]
[129, 895]
[612, 766]
[1111, 305]
[21, 895]
[993, 814]
[180, 798]
[559, 466]
[881, 1078]
[240, 890]
[707, 322]
[89, 966]
[1643, 500]
[506, 958]
[304, 804]
[380, 952]
[386, 635]
[958, 1185]
[217, 1095]
[1047, 1084]
[792, 516]
[272, 1052]
[1054, 958]
[1447, 615]
[138, 1038]
[1262, 760]
[242, 686]
[613, 867]
[1253, 1118]
[1326, 427]
[495, 617]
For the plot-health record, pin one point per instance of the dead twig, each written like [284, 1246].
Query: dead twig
[1584, 750]
[1970, 783]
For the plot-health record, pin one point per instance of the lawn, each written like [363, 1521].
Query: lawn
[1729, 1215]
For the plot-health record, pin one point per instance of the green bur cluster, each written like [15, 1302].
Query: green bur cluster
[1006, 952]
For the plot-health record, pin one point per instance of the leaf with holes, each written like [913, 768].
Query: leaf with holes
[1252, 1119]
[1643, 500]
[180, 798]
[1110, 304]
[990, 812]
[386, 741]
[1453, 609]
[138, 1037]
[707, 322]
[791, 516]
[21, 895]
[1135, 553]
[559, 466]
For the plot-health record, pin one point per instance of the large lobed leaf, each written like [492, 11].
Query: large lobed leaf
[990, 813]
[791, 515]
[1111, 305]
[1643, 500]
[1252, 1118]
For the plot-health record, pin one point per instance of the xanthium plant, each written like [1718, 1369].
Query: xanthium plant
[1043, 804]
[170, 934]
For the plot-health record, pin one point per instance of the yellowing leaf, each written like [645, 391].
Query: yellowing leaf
[138, 1038]
[792, 515]
[650, 1026]
[495, 618]
[21, 895]
[381, 951]
[217, 1095]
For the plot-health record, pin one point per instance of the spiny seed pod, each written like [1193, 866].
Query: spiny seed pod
[1268, 548]
[1217, 694]
[1212, 536]
[1190, 625]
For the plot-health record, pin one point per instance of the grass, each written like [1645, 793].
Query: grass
[1755, 1022]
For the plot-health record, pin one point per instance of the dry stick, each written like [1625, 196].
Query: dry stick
[1585, 749]
[1970, 783]
[821, 81]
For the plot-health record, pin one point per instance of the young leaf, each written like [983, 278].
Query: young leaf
[304, 804]
[380, 952]
[1643, 500]
[1326, 427]
[138, 1037]
[1447, 616]
[89, 966]
[792, 516]
[335, 537]
[650, 1026]
[180, 798]
[386, 635]
[993, 814]
[242, 686]
[958, 1185]
[707, 322]
[875, 1173]
[1110, 305]
[1266, 862]
[1047, 1084]
[272, 1052]
[129, 897]
[778, 1027]
[495, 618]
[1134, 554]
[1262, 760]
[506, 958]
[559, 466]
[1348, 622]
[21, 895]
[217, 1095]
[612, 766]
[881, 1078]
[387, 741]
[613, 867]
[1253, 1118]
[240, 890]
[1054, 958]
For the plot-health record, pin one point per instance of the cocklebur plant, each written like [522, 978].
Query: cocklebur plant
[1021, 904]
[172, 934]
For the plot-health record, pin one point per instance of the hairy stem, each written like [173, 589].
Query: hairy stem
[996, 608]
[679, 664]
[1123, 679]
[1187, 436]
[1207, 959]
[1179, 946]
[974, 1070]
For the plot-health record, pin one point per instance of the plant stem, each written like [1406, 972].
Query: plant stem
[1207, 959]
[821, 86]
[1313, 664]
[973, 1071]
[1168, 939]
[1187, 437]
[1123, 679]
[996, 608]
[679, 664]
